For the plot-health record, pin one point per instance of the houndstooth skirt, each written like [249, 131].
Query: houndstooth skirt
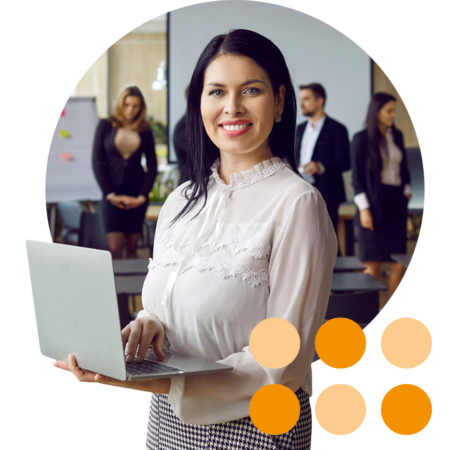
[167, 432]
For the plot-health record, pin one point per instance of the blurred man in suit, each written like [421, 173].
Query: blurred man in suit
[322, 149]
[180, 145]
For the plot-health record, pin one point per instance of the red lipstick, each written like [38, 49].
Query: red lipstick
[232, 132]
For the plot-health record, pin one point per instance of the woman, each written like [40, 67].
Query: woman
[246, 240]
[382, 186]
[119, 144]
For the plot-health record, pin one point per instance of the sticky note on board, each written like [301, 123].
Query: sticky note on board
[63, 113]
[67, 156]
[64, 133]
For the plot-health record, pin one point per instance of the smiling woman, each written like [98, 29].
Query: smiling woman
[238, 101]
[246, 240]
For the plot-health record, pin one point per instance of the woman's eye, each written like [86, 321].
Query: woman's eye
[216, 93]
[251, 91]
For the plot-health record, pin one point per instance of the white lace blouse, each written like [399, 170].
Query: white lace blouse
[263, 246]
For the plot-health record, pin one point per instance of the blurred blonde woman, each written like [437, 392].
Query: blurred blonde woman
[120, 141]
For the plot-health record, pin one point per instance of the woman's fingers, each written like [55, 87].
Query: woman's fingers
[158, 346]
[61, 365]
[140, 334]
[147, 336]
[125, 335]
[134, 338]
[82, 375]
[73, 367]
[117, 204]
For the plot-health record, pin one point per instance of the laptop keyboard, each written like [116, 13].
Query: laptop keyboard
[150, 367]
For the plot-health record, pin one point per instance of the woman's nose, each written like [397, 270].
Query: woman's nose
[233, 105]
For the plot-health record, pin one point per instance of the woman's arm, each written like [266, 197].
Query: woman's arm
[358, 160]
[301, 269]
[341, 151]
[152, 165]
[404, 169]
[358, 164]
[100, 159]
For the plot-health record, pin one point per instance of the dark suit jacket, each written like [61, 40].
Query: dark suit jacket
[369, 181]
[109, 165]
[332, 149]
[180, 144]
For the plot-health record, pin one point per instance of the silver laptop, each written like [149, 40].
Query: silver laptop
[76, 313]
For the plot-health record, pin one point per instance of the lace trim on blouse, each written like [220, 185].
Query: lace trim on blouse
[253, 246]
[230, 251]
[247, 274]
[248, 177]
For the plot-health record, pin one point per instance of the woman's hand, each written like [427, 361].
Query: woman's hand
[82, 375]
[142, 333]
[159, 386]
[133, 202]
[117, 200]
[312, 168]
[366, 219]
[408, 196]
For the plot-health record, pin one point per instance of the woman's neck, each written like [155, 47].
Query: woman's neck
[127, 124]
[231, 163]
[383, 128]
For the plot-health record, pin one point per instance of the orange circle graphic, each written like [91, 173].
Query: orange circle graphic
[274, 409]
[274, 343]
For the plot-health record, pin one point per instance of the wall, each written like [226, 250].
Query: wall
[313, 50]
[95, 84]
[133, 60]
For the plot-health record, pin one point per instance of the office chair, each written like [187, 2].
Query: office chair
[92, 231]
[150, 230]
[70, 213]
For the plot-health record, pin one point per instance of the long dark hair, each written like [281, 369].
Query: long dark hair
[379, 99]
[201, 151]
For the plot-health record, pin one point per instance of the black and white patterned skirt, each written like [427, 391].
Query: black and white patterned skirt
[167, 432]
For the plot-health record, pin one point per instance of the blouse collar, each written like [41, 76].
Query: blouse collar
[251, 176]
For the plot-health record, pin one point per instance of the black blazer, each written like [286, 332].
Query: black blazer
[368, 180]
[109, 165]
[180, 144]
[332, 149]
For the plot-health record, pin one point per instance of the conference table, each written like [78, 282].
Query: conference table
[130, 285]
[126, 286]
[342, 282]
[124, 267]
[348, 264]
[404, 260]
[152, 212]
[355, 282]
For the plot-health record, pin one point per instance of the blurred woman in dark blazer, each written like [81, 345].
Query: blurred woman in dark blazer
[119, 143]
[381, 181]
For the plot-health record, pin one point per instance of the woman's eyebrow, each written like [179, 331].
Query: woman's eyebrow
[254, 80]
